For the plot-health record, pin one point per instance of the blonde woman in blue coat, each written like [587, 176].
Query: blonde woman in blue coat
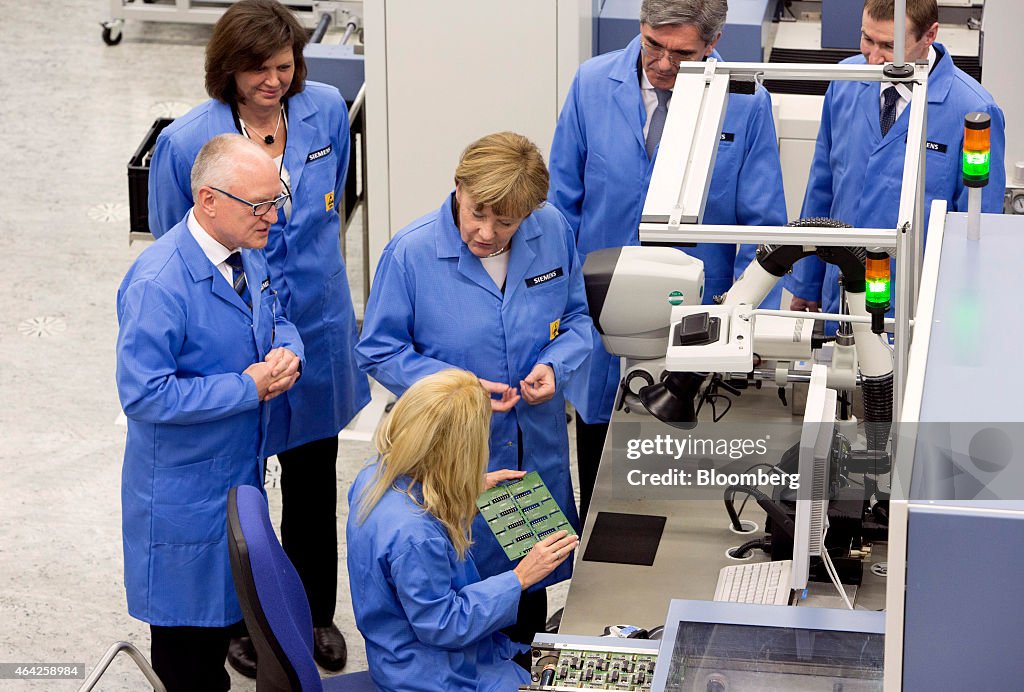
[256, 75]
[430, 621]
[490, 283]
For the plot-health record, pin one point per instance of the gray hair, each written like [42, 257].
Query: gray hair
[217, 162]
[707, 15]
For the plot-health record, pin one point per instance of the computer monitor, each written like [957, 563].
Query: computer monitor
[814, 458]
[719, 646]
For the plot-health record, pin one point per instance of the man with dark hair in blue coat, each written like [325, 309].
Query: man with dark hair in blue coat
[857, 168]
[602, 156]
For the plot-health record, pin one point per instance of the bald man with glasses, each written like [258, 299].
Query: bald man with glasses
[201, 349]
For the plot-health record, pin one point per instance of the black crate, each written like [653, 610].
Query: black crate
[138, 178]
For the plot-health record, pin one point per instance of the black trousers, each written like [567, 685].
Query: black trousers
[191, 659]
[589, 444]
[309, 522]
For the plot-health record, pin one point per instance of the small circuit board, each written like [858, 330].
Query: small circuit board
[520, 513]
[590, 669]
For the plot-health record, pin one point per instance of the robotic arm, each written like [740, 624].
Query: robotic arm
[638, 296]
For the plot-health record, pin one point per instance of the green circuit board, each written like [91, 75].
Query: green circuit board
[520, 513]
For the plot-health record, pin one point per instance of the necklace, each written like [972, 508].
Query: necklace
[267, 139]
[498, 252]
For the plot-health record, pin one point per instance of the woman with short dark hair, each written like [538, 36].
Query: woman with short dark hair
[256, 76]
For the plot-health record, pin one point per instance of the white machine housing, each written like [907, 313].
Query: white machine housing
[733, 351]
[633, 317]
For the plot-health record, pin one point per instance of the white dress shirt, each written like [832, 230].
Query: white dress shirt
[903, 88]
[650, 98]
[214, 251]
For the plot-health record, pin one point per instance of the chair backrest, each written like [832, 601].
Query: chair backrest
[272, 597]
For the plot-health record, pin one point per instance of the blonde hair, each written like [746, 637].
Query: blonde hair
[504, 171]
[437, 434]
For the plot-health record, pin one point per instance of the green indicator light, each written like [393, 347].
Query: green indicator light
[877, 291]
[675, 298]
[976, 164]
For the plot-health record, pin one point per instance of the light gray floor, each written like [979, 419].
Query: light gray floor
[72, 114]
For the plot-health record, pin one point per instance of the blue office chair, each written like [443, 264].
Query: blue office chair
[274, 603]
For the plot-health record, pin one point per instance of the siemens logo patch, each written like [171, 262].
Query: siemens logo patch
[727, 137]
[266, 284]
[541, 278]
[319, 154]
[933, 146]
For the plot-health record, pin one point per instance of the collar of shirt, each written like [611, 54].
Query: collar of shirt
[904, 90]
[497, 268]
[214, 251]
[649, 97]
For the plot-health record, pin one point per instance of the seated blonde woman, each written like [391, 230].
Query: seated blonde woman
[429, 620]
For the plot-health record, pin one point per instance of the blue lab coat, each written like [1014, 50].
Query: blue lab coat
[304, 253]
[429, 621]
[856, 175]
[600, 172]
[196, 427]
[433, 306]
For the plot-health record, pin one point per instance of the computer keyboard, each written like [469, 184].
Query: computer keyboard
[758, 582]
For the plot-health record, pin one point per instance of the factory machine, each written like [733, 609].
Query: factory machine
[887, 563]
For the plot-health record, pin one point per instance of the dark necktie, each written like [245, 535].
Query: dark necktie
[234, 261]
[657, 125]
[888, 116]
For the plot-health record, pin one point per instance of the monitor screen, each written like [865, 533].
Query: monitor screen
[712, 646]
[812, 499]
[719, 657]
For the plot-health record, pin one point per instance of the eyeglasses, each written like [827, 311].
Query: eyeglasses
[259, 208]
[655, 52]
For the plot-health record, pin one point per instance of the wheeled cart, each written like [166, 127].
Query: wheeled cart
[207, 12]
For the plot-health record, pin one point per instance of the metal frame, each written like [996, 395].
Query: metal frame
[682, 171]
[655, 233]
[910, 218]
[357, 125]
[682, 177]
[905, 444]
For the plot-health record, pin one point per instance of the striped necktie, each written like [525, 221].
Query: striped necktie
[234, 261]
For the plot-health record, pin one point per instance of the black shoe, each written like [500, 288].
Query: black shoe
[554, 622]
[329, 649]
[242, 656]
